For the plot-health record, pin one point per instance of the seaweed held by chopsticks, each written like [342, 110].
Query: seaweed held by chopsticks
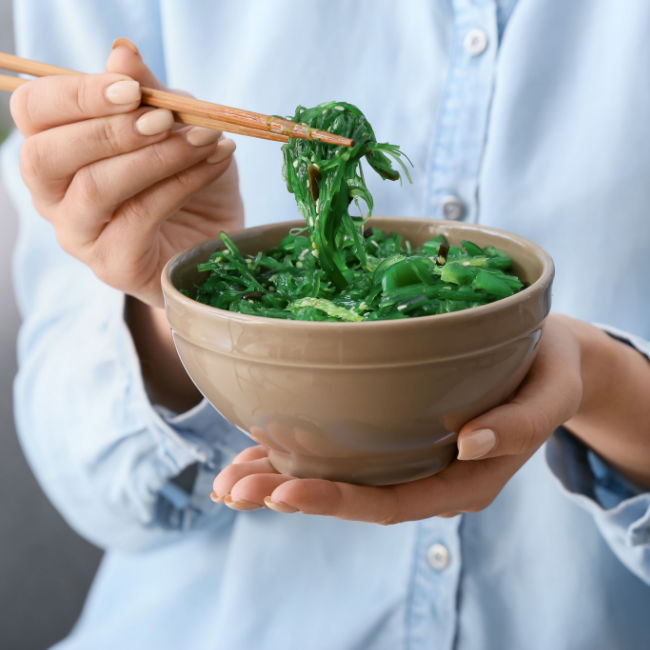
[326, 179]
[334, 269]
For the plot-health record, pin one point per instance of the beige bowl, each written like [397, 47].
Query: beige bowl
[373, 402]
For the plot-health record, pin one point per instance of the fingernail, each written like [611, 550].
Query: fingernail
[199, 136]
[126, 91]
[226, 148]
[127, 43]
[241, 505]
[154, 122]
[476, 444]
[217, 499]
[279, 506]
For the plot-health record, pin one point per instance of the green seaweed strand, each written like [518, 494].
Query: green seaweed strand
[325, 179]
[333, 269]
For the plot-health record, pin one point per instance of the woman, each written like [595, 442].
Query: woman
[516, 115]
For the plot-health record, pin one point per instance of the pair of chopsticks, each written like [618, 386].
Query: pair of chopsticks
[187, 110]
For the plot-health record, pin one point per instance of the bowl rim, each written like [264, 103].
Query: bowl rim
[170, 292]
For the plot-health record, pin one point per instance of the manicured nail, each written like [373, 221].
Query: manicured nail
[241, 505]
[154, 122]
[199, 136]
[217, 499]
[476, 444]
[126, 91]
[279, 506]
[127, 43]
[226, 148]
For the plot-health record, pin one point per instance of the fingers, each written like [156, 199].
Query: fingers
[56, 100]
[48, 167]
[256, 488]
[97, 163]
[139, 189]
[228, 477]
[128, 248]
[462, 487]
[341, 500]
[125, 59]
[250, 453]
[145, 212]
[107, 184]
[549, 396]
[246, 484]
[80, 173]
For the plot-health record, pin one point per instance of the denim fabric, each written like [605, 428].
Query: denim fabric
[544, 132]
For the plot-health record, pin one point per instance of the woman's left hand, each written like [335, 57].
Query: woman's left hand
[492, 447]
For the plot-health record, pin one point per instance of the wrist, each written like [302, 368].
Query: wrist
[596, 354]
[165, 378]
[614, 413]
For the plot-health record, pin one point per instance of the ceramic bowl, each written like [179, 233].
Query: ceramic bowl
[372, 402]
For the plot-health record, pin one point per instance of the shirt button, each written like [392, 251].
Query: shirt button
[452, 208]
[475, 42]
[438, 556]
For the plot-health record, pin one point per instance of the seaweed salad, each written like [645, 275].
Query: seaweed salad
[336, 269]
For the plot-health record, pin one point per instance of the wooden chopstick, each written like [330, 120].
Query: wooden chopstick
[189, 111]
[11, 83]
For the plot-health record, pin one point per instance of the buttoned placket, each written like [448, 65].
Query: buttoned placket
[455, 163]
[457, 149]
[432, 615]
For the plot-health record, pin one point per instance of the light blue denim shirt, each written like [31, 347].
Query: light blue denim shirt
[533, 117]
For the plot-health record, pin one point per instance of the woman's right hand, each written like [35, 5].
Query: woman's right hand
[124, 189]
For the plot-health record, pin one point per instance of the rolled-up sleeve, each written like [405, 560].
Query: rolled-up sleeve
[103, 453]
[620, 509]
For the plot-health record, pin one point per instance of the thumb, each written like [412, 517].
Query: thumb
[125, 58]
[549, 396]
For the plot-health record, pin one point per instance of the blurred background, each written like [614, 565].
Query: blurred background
[45, 568]
[6, 45]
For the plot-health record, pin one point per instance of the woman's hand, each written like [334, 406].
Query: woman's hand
[492, 447]
[123, 187]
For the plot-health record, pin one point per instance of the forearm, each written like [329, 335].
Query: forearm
[614, 416]
[167, 382]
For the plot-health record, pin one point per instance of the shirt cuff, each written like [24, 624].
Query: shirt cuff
[202, 442]
[641, 345]
[194, 445]
[620, 508]
[202, 432]
[598, 488]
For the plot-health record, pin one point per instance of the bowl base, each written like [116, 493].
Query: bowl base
[371, 470]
